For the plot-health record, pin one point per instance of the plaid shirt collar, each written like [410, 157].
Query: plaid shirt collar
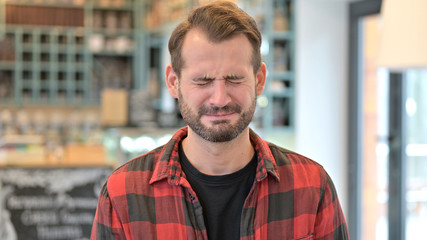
[168, 166]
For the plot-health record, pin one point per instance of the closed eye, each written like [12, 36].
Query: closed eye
[234, 79]
[205, 80]
[202, 81]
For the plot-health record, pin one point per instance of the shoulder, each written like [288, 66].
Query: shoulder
[137, 171]
[284, 156]
[297, 166]
[142, 163]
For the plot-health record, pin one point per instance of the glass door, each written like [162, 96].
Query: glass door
[375, 149]
[368, 149]
[387, 138]
[416, 153]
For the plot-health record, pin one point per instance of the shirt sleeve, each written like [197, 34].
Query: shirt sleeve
[330, 221]
[106, 225]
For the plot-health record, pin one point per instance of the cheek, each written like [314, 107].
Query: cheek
[245, 94]
[192, 96]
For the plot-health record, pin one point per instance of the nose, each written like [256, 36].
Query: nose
[219, 95]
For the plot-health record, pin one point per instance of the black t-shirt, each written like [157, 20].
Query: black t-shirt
[222, 197]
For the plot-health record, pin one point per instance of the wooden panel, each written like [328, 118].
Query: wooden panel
[44, 16]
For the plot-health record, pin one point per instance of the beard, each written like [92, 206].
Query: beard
[221, 130]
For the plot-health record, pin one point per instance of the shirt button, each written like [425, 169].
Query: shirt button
[192, 197]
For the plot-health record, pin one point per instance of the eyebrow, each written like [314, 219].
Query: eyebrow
[226, 77]
[233, 76]
[203, 78]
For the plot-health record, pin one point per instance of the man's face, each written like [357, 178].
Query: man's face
[217, 90]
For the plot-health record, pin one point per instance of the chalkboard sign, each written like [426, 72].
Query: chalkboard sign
[49, 203]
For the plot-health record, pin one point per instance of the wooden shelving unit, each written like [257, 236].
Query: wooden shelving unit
[276, 20]
[71, 51]
[110, 44]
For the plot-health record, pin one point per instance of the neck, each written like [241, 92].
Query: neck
[213, 158]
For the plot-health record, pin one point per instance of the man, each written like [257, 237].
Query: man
[216, 179]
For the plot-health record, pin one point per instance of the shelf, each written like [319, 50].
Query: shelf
[113, 54]
[7, 65]
[52, 48]
[275, 19]
[115, 48]
[117, 32]
[288, 93]
[51, 103]
[282, 75]
[49, 30]
[11, 140]
[287, 35]
[55, 64]
[280, 60]
[58, 67]
[125, 6]
[46, 3]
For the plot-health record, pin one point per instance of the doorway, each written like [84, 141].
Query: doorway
[388, 138]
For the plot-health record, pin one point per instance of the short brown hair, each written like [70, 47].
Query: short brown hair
[220, 20]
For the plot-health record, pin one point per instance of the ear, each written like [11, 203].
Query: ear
[172, 81]
[260, 79]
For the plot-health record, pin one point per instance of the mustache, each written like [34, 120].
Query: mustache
[215, 110]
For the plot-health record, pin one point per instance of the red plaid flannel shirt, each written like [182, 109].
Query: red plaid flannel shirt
[150, 198]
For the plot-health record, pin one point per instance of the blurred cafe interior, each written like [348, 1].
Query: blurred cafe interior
[82, 91]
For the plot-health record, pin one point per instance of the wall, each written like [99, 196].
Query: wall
[321, 90]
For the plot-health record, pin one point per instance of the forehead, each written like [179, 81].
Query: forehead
[198, 48]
